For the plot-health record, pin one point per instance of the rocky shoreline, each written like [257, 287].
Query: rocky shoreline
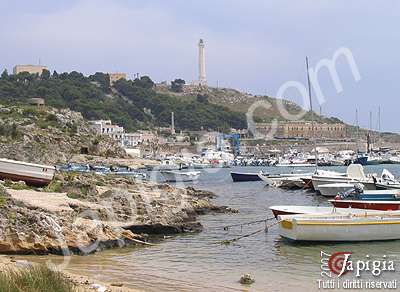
[85, 213]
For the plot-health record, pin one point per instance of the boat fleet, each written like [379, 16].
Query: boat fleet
[294, 158]
[364, 207]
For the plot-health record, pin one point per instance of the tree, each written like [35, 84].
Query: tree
[55, 74]
[45, 74]
[4, 75]
[144, 82]
[203, 98]
[177, 85]
[103, 80]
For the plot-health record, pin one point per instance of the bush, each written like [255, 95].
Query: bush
[38, 278]
[55, 186]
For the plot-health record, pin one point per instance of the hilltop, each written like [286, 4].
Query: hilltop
[240, 102]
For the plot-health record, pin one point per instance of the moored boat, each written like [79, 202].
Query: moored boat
[30, 173]
[288, 181]
[354, 174]
[176, 176]
[331, 190]
[293, 210]
[367, 204]
[339, 227]
[244, 176]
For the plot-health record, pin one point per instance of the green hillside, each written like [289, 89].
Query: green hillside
[133, 104]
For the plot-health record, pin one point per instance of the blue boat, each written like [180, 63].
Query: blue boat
[361, 159]
[370, 195]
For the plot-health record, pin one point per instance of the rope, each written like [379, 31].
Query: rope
[226, 227]
[229, 241]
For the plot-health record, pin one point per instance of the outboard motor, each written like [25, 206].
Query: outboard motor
[355, 191]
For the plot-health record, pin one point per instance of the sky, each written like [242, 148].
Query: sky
[255, 46]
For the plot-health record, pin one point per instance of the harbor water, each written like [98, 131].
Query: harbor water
[199, 262]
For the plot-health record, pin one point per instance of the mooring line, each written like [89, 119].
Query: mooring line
[226, 227]
[229, 241]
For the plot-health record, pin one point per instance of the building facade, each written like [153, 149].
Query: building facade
[302, 129]
[31, 69]
[105, 127]
[116, 76]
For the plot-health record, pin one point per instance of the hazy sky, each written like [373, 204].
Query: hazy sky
[254, 46]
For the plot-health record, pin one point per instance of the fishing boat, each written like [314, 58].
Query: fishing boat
[354, 174]
[244, 176]
[31, 173]
[176, 176]
[168, 164]
[387, 182]
[358, 193]
[331, 190]
[341, 227]
[383, 205]
[289, 180]
[293, 210]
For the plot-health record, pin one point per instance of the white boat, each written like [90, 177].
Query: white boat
[30, 173]
[169, 165]
[387, 181]
[331, 190]
[383, 225]
[293, 210]
[176, 176]
[354, 174]
[289, 180]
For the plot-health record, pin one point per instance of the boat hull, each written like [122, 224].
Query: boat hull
[372, 205]
[172, 176]
[241, 177]
[31, 174]
[341, 230]
[331, 190]
[319, 181]
[297, 210]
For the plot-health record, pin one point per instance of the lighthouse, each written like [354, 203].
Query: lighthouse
[202, 66]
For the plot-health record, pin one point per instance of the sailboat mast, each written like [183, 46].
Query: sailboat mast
[312, 116]
[357, 126]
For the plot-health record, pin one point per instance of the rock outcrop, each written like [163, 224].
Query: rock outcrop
[48, 135]
[82, 213]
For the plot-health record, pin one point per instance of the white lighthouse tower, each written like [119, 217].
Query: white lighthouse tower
[202, 65]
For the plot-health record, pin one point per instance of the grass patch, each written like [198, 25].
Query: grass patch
[15, 185]
[38, 278]
[3, 200]
[55, 186]
[74, 196]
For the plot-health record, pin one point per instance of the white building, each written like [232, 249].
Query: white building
[132, 140]
[105, 127]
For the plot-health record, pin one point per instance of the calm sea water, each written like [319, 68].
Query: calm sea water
[196, 262]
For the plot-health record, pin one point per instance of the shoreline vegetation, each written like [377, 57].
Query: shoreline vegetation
[24, 276]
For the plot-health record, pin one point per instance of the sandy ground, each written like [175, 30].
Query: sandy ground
[82, 283]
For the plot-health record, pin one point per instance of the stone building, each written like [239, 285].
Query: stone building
[37, 101]
[31, 69]
[116, 76]
[302, 129]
